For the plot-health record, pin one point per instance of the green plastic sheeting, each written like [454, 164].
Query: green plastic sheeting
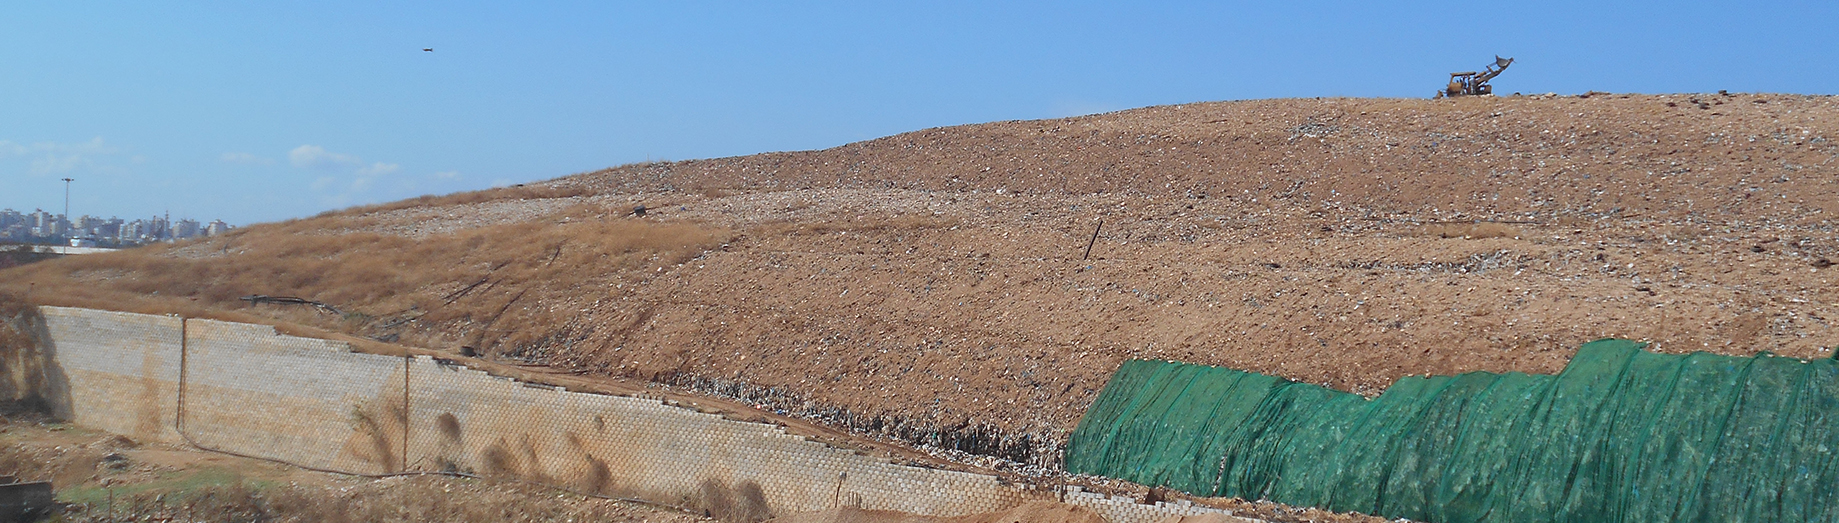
[1622, 435]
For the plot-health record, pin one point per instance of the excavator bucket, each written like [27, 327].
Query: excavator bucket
[1502, 62]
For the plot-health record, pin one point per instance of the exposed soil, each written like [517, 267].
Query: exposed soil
[933, 286]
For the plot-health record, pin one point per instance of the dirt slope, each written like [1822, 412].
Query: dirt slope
[1705, 156]
[932, 286]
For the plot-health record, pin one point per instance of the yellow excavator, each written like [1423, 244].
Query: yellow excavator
[1471, 83]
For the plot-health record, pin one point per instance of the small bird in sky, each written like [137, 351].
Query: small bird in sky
[428, 49]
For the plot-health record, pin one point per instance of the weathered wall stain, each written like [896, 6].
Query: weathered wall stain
[528, 460]
[590, 473]
[316, 403]
[148, 418]
[369, 442]
[514, 457]
[449, 427]
[498, 460]
[378, 426]
[450, 447]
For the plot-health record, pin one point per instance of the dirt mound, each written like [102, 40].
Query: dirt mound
[933, 286]
[1031, 512]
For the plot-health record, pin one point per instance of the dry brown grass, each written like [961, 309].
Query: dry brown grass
[515, 192]
[489, 286]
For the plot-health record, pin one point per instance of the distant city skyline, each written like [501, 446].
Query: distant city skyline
[41, 226]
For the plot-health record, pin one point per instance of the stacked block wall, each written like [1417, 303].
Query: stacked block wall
[113, 371]
[317, 403]
[301, 400]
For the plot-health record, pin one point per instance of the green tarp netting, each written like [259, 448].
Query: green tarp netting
[1621, 435]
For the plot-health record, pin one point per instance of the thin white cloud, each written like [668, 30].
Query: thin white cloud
[347, 179]
[378, 169]
[58, 163]
[44, 158]
[316, 157]
[447, 175]
[246, 159]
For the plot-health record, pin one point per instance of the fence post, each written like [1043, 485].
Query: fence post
[406, 358]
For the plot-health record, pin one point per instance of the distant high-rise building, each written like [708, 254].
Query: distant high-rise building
[110, 228]
[186, 228]
[44, 224]
[216, 227]
[157, 229]
[12, 225]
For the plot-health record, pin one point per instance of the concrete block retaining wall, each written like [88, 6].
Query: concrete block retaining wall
[242, 388]
[113, 371]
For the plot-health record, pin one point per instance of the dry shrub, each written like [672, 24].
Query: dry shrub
[742, 503]
[1471, 230]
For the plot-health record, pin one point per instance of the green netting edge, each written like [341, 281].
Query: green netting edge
[1621, 434]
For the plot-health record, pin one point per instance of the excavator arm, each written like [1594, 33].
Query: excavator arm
[1500, 64]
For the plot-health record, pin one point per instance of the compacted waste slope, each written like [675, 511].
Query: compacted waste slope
[936, 287]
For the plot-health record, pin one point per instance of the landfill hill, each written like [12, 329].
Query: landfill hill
[935, 284]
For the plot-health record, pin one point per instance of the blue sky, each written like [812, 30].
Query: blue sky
[286, 109]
